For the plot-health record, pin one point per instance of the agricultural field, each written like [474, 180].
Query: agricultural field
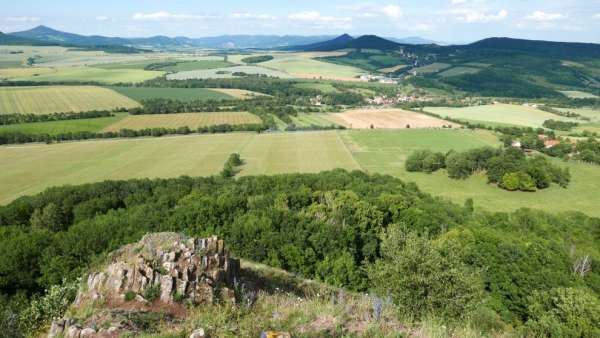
[392, 69]
[66, 126]
[304, 120]
[183, 94]
[237, 93]
[88, 74]
[12, 73]
[387, 119]
[191, 120]
[227, 72]
[432, 68]
[459, 70]
[385, 152]
[300, 65]
[29, 169]
[575, 94]
[54, 99]
[499, 114]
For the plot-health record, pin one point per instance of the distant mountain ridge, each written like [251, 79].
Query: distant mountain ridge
[346, 41]
[548, 48]
[241, 41]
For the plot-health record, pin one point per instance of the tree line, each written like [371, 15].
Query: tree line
[7, 119]
[348, 229]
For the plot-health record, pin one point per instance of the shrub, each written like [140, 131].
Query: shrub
[422, 281]
[564, 312]
[152, 293]
[510, 181]
[129, 296]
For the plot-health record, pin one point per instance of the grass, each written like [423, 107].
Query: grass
[192, 120]
[61, 127]
[324, 87]
[312, 119]
[576, 94]
[226, 72]
[28, 169]
[385, 152]
[499, 113]
[197, 65]
[84, 74]
[392, 69]
[432, 68]
[183, 94]
[52, 99]
[459, 71]
[302, 66]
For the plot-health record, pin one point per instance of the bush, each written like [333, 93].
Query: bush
[425, 161]
[510, 181]
[421, 280]
[152, 293]
[564, 312]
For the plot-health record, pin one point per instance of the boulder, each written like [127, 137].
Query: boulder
[198, 333]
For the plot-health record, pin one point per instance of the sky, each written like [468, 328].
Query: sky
[453, 21]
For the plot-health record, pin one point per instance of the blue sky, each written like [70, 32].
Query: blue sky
[441, 20]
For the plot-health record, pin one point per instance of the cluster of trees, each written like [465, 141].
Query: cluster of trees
[588, 151]
[257, 59]
[509, 169]
[19, 137]
[561, 113]
[230, 168]
[560, 125]
[352, 230]
[6, 119]
[170, 106]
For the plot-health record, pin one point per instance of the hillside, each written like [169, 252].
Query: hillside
[546, 48]
[345, 41]
[7, 39]
[47, 34]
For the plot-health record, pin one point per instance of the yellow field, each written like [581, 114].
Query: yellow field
[192, 120]
[238, 93]
[9, 73]
[55, 99]
[387, 119]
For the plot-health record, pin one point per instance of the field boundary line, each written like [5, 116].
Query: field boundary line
[339, 137]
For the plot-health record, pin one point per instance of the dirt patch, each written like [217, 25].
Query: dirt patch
[326, 323]
[387, 119]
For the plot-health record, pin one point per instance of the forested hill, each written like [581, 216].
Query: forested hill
[347, 42]
[47, 34]
[547, 48]
[7, 39]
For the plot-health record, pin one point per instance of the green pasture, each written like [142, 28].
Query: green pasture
[226, 72]
[312, 119]
[504, 114]
[182, 94]
[576, 94]
[89, 74]
[65, 126]
[432, 68]
[385, 152]
[301, 66]
[460, 70]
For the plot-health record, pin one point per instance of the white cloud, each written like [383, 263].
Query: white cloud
[102, 18]
[370, 10]
[315, 18]
[596, 16]
[21, 19]
[167, 16]
[252, 16]
[458, 2]
[475, 16]
[543, 16]
[392, 11]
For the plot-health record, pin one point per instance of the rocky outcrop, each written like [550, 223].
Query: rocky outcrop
[163, 268]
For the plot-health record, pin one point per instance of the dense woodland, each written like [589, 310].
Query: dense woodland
[350, 230]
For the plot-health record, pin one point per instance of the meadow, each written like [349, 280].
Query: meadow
[499, 114]
[87, 74]
[182, 94]
[191, 120]
[432, 68]
[460, 70]
[576, 94]
[62, 127]
[28, 169]
[305, 120]
[385, 152]
[300, 65]
[54, 99]
[226, 72]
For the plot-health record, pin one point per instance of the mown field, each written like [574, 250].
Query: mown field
[191, 120]
[301, 65]
[499, 114]
[385, 152]
[62, 127]
[227, 72]
[182, 94]
[52, 99]
[366, 118]
[83, 74]
[312, 119]
[28, 169]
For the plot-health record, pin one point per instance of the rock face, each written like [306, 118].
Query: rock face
[166, 266]
[163, 268]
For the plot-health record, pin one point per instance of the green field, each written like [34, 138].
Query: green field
[301, 66]
[182, 94]
[66, 126]
[25, 170]
[312, 119]
[505, 114]
[226, 72]
[191, 120]
[385, 152]
[83, 74]
[575, 94]
[432, 68]
[459, 71]
[54, 99]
